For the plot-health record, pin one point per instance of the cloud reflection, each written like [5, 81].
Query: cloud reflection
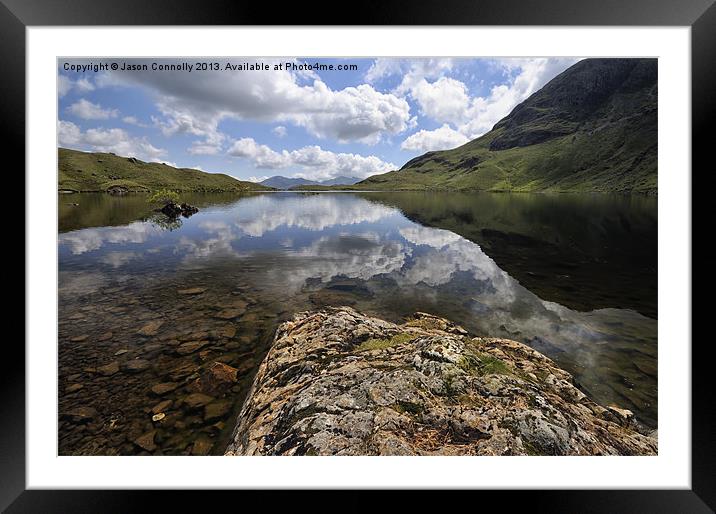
[87, 240]
[266, 213]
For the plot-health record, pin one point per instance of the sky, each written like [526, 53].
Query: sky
[296, 117]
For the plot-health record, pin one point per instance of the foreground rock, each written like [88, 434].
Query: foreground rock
[336, 382]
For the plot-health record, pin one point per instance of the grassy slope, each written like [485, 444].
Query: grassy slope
[577, 163]
[612, 149]
[83, 172]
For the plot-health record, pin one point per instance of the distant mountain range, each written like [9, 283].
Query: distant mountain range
[592, 128]
[280, 182]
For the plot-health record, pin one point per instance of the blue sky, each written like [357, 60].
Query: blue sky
[312, 123]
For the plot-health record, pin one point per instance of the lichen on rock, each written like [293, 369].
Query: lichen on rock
[337, 382]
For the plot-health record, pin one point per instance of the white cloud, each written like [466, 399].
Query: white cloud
[260, 155]
[353, 114]
[314, 162]
[132, 120]
[484, 112]
[381, 68]
[257, 179]
[447, 100]
[66, 84]
[89, 111]
[204, 148]
[113, 140]
[444, 138]
[415, 71]
[197, 103]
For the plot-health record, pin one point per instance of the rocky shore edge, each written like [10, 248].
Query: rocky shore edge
[338, 382]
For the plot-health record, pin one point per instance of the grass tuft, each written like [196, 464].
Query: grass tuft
[484, 364]
[382, 344]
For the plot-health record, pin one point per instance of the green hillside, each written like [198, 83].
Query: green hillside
[591, 128]
[86, 172]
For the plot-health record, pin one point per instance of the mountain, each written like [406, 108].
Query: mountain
[591, 128]
[86, 171]
[280, 182]
[340, 181]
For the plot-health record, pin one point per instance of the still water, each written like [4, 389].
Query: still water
[572, 276]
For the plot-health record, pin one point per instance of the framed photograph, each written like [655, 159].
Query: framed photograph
[447, 247]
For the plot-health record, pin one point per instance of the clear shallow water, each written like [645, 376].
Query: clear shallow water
[285, 252]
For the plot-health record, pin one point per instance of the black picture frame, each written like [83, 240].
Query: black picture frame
[700, 15]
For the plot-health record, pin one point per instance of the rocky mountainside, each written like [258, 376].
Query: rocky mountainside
[99, 172]
[336, 382]
[591, 128]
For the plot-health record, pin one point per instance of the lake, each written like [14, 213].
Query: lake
[573, 276]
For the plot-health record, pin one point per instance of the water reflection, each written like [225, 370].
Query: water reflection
[580, 250]
[268, 213]
[88, 240]
[296, 252]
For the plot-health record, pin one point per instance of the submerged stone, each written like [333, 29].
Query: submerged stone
[162, 406]
[230, 313]
[146, 441]
[202, 446]
[190, 347]
[150, 328]
[191, 291]
[73, 388]
[217, 410]
[82, 414]
[136, 365]
[197, 400]
[108, 369]
[217, 378]
[164, 388]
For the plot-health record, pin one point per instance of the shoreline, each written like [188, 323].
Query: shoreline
[462, 191]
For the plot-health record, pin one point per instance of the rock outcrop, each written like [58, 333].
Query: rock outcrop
[336, 382]
[174, 210]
